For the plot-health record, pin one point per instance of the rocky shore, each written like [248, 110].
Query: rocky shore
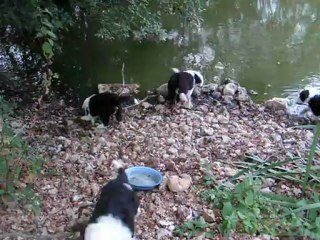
[220, 129]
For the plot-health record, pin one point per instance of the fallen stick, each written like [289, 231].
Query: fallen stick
[143, 100]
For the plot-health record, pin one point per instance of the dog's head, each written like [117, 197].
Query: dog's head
[306, 94]
[303, 96]
[198, 77]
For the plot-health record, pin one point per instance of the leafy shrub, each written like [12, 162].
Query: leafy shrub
[18, 165]
[194, 227]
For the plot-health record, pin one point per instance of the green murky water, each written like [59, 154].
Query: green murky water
[271, 46]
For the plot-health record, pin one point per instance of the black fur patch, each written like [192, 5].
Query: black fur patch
[304, 95]
[197, 79]
[105, 104]
[314, 104]
[182, 81]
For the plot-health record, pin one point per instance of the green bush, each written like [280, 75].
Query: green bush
[19, 166]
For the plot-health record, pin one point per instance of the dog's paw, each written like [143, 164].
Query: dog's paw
[101, 126]
[86, 118]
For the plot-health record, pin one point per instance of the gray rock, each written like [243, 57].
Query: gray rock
[204, 108]
[216, 95]
[225, 139]
[276, 104]
[230, 89]
[211, 87]
[276, 137]
[161, 99]
[163, 233]
[159, 107]
[230, 172]
[223, 119]
[266, 190]
[196, 92]
[146, 105]
[162, 90]
[102, 140]
[171, 141]
[173, 151]
[229, 80]
[227, 99]
[242, 94]
[208, 131]
[268, 182]
[102, 158]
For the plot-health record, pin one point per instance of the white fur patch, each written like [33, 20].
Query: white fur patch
[86, 117]
[138, 212]
[193, 73]
[85, 104]
[175, 70]
[117, 164]
[128, 186]
[107, 227]
[136, 101]
[183, 97]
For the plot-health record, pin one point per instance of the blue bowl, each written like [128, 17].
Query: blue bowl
[144, 178]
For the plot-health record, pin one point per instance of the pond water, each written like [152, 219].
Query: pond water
[271, 46]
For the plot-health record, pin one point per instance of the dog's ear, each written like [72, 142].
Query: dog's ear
[304, 95]
[198, 79]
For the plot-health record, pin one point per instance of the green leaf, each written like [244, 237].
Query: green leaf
[209, 234]
[189, 225]
[46, 47]
[227, 209]
[241, 215]
[51, 34]
[249, 200]
[47, 23]
[50, 42]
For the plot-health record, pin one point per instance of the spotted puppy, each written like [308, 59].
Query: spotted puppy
[114, 215]
[181, 85]
[103, 105]
[310, 97]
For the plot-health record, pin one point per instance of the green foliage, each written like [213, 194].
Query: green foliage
[143, 19]
[37, 25]
[194, 227]
[311, 156]
[32, 25]
[17, 162]
[242, 208]
[245, 208]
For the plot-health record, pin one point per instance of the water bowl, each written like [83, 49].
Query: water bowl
[144, 178]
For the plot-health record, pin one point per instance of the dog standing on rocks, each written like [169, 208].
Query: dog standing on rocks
[103, 105]
[181, 85]
[114, 215]
[311, 97]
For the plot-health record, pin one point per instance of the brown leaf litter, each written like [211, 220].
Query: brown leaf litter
[175, 141]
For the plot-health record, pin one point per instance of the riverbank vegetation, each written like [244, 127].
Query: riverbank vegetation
[34, 30]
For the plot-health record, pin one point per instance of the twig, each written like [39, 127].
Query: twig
[143, 100]
[122, 71]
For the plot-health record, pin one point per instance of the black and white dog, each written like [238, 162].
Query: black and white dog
[181, 85]
[311, 97]
[115, 212]
[103, 105]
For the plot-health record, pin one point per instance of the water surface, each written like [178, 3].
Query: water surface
[270, 46]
